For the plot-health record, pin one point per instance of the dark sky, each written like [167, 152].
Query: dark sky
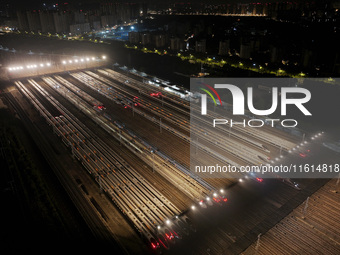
[40, 2]
[37, 4]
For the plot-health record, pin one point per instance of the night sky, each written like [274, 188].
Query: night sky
[36, 4]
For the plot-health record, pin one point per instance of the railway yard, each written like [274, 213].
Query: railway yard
[133, 139]
[310, 223]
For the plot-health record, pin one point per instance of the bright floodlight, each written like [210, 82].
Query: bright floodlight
[82, 60]
[221, 190]
[215, 195]
[64, 62]
[240, 180]
[132, 27]
[193, 207]
[35, 66]
[76, 60]
[159, 227]
[93, 58]
[104, 57]
[48, 64]
[168, 222]
[208, 198]
[87, 59]
[70, 61]
[41, 65]
[10, 68]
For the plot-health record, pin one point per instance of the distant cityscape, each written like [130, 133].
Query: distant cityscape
[229, 32]
[71, 18]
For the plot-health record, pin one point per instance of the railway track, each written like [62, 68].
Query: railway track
[76, 134]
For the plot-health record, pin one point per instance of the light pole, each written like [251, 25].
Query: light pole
[153, 161]
[257, 243]
[160, 125]
[305, 208]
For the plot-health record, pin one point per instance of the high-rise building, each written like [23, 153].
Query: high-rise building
[308, 58]
[94, 18]
[33, 21]
[275, 54]
[146, 38]
[78, 29]
[176, 44]
[224, 48]
[133, 37]
[79, 17]
[47, 22]
[200, 46]
[245, 50]
[160, 40]
[96, 25]
[22, 21]
[108, 20]
[62, 22]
